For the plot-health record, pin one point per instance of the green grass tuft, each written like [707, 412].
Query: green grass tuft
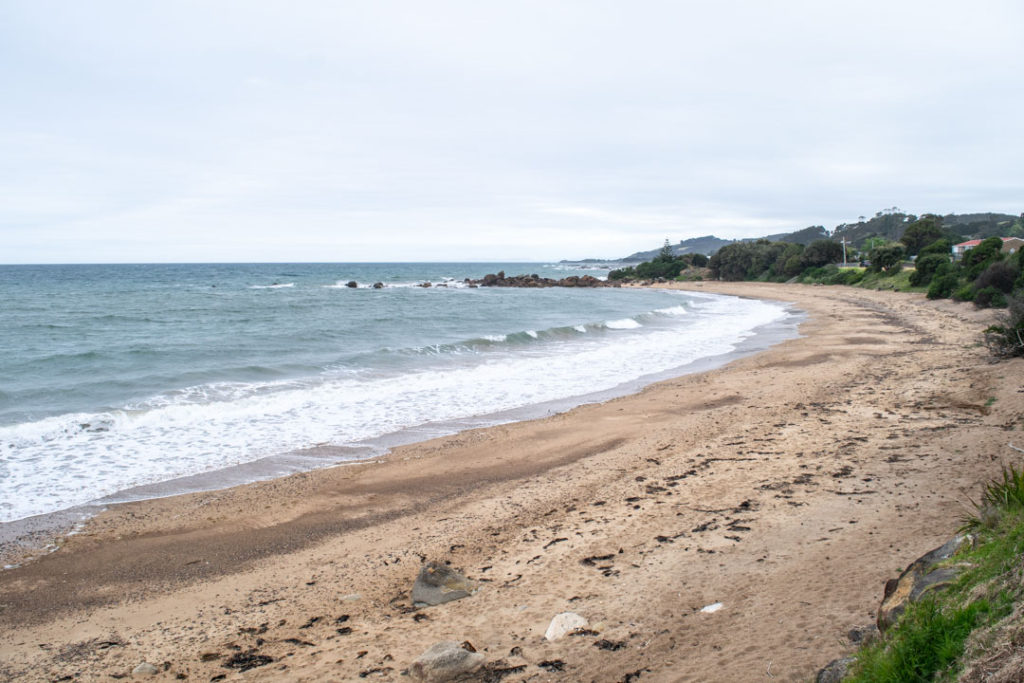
[927, 640]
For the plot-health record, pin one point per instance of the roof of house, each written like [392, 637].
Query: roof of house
[974, 243]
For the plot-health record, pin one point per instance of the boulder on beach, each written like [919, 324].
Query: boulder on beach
[446, 661]
[922, 576]
[438, 584]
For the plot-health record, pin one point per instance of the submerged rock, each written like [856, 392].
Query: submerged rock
[922, 576]
[445, 661]
[438, 584]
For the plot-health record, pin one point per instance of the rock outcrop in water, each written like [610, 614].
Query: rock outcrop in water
[534, 280]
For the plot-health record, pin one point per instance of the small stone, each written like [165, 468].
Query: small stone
[563, 624]
[351, 597]
[145, 669]
[445, 661]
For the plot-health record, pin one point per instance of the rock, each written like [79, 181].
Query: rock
[445, 661]
[437, 584]
[563, 624]
[863, 635]
[923, 575]
[351, 284]
[351, 597]
[425, 285]
[835, 671]
[378, 285]
[145, 669]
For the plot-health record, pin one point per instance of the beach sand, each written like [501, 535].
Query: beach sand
[787, 486]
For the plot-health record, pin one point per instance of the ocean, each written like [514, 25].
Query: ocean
[120, 382]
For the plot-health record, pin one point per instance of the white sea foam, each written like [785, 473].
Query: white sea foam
[533, 333]
[623, 324]
[673, 310]
[580, 328]
[59, 462]
[496, 337]
[273, 286]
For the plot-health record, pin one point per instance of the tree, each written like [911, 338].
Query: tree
[888, 258]
[940, 246]
[665, 254]
[821, 253]
[731, 262]
[922, 232]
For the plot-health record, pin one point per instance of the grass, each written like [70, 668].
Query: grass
[929, 639]
[898, 282]
[928, 642]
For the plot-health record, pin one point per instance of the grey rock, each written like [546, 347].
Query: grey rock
[446, 661]
[145, 669]
[863, 635]
[351, 284]
[437, 584]
[922, 576]
[378, 285]
[835, 671]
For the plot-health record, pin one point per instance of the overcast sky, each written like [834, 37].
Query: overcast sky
[517, 130]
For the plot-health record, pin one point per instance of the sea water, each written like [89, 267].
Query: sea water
[127, 381]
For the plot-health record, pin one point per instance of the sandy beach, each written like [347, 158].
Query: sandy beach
[787, 486]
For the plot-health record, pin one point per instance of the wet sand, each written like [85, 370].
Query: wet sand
[788, 486]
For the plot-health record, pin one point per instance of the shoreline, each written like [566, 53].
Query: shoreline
[24, 539]
[787, 485]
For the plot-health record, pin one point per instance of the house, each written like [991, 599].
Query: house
[1011, 245]
[959, 249]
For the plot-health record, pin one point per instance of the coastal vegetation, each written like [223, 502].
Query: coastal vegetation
[893, 251]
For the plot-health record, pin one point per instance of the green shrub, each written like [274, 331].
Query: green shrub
[1007, 338]
[852, 276]
[926, 267]
[965, 293]
[942, 285]
[979, 258]
[1000, 275]
[989, 297]
[940, 246]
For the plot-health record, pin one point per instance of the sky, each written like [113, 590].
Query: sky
[392, 130]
